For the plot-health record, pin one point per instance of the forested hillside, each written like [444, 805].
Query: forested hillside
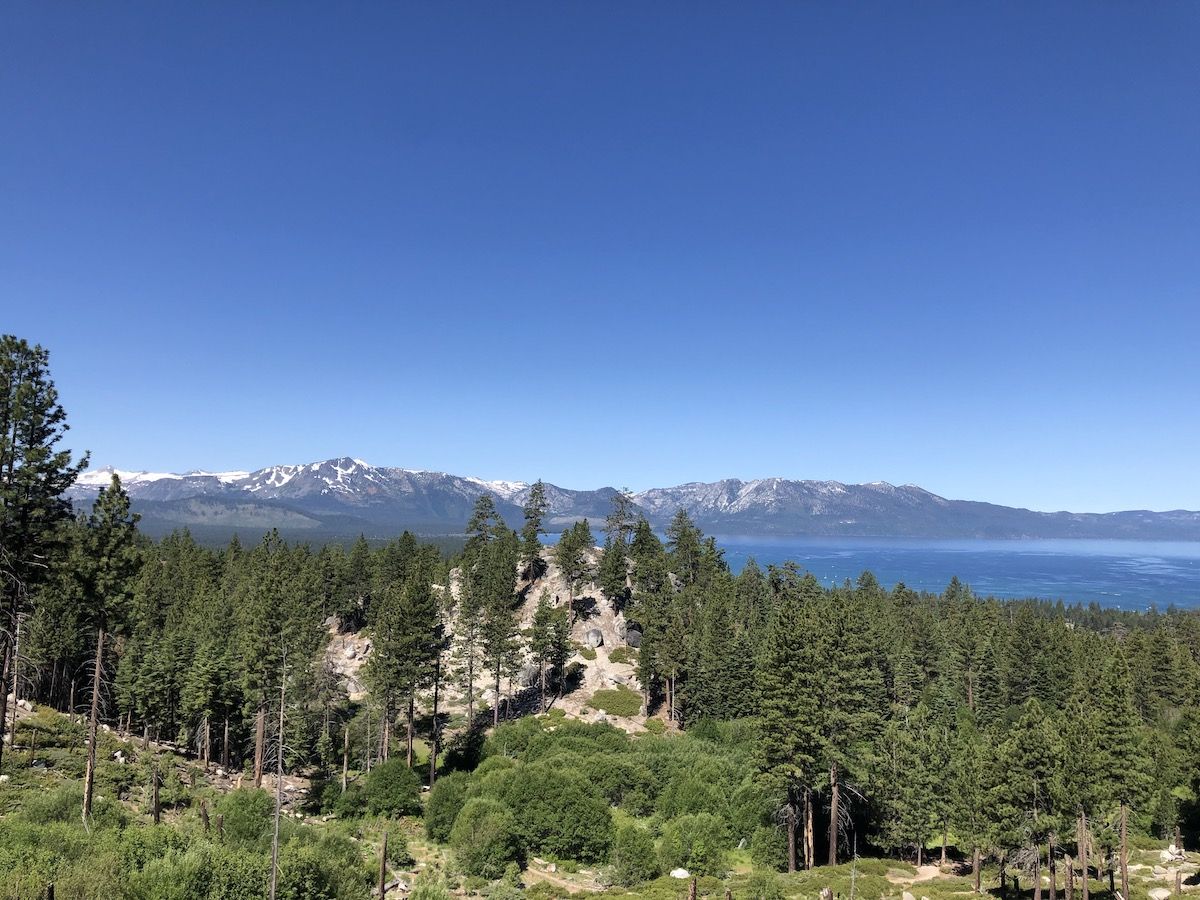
[545, 715]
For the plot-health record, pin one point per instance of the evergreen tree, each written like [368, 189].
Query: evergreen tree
[787, 677]
[536, 507]
[107, 568]
[33, 478]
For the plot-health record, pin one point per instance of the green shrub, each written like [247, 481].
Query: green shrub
[688, 794]
[768, 848]
[633, 858]
[248, 814]
[352, 802]
[484, 838]
[587, 653]
[763, 886]
[446, 800]
[656, 726]
[696, 843]
[559, 813]
[393, 789]
[429, 886]
[618, 701]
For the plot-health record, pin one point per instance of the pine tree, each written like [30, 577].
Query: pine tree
[789, 697]
[33, 478]
[573, 556]
[536, 507]
[110, 564]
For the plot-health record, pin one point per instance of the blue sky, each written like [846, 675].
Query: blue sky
[630, 244]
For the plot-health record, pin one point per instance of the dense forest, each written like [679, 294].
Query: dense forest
[776, 736]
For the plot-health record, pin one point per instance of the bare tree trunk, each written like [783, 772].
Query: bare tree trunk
[345, 757]
[225, 746]
[945, 840]
[1124, 852]
[4, 696]
[496, 702]
[810, 856]
[207, 742]
[260, 738]
[278, 793]
[975, 867]
[1083, 852]
[411, 710]
[155, 806]
[89, 775]
[833, 814]
[1037, 873]
[433, 751]
[791, 830]
[471, 687]
[1069, 883]
[383, 867]
[542, 667]
[1053, 867]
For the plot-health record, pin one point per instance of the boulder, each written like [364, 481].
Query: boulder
[593, 638]
[1159, 893]
[4, 779]
[1159, 870]
[349, 653]
[528, 675]
[907, 895]
[680, 873]
[633, 638]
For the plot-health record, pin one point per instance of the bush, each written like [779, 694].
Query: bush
[484, 838]
[656, 726]
[352, 802]
[559, 813]
[587, 653]
[768, 848]
[618, 701]
[633, 857]
[393, 789]
[763, 886]
[446, 800]
[696, 843]
[429, 887]
[689, 794]
[248, 813]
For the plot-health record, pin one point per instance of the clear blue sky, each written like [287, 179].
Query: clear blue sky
[955, 244]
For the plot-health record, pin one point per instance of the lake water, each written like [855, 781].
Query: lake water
[1123, 574]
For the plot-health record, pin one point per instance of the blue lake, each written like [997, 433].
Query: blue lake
[1123, 574]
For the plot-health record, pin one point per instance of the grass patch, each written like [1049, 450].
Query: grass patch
[618, 701]
[587, 653]
[656, 726]
[624, 655]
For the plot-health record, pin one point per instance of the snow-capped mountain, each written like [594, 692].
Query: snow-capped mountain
[344, 497]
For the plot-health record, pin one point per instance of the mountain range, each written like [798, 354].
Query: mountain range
[338, 499]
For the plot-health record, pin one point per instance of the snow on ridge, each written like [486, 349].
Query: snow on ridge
[102, 477]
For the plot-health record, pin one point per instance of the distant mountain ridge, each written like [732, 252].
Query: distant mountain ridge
[341, 498]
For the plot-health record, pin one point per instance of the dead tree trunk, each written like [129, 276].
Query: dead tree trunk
[89, 775]
[1124, 851]
[155, 806]
[496, 701]
[225, 746]
[383, 867]
[790, 815]
[975, 867]
[345, 757]
[278, 793]
[4, 696]
[808, 829]
[833, 814]
[1083, 852]
[412, 701]
[1069, 883]
[1051, 865]
[260, 739]
[433, 751]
